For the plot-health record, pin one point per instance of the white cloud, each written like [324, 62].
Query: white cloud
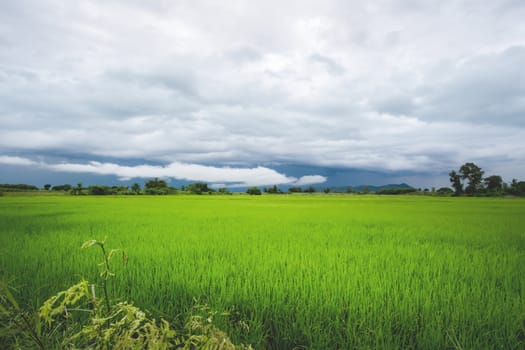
[9, 160]
[220, 176]
[236, 177]
[310, 180]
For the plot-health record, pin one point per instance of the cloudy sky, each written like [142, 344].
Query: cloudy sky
[261, 92]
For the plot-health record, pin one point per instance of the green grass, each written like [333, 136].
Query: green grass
[320, 272]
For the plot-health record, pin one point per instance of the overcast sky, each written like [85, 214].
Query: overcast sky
[221, 91]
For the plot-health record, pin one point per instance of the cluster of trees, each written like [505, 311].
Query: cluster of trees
[65, 188]
[254, 191]
[310, 189]
[100, 190]
[198, 188]
[17, 188]
[517, 188]
[154, 186]
[276, 190]
[469, 180]
[388, 191]
[203, 188]
[395, 191]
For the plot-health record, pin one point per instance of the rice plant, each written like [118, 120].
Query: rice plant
[316, 272]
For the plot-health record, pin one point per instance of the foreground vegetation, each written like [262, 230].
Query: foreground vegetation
[77, 318]
[320, 272]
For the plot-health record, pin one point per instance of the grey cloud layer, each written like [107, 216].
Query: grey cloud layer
[389, 85]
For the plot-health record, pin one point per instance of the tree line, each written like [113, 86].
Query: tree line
[17, 187]
[154, 186]
[469, 180]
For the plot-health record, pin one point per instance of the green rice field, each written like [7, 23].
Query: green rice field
[292, 271]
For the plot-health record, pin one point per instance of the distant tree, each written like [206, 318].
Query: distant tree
[494, 183]
[77, 190]
[395, 191]
[17, 187]
[66, 187]
[310, 189]
[517, 188]
[47, 187]
[444, 191]
[223, 190]
[135, 188]
[99, 190]
[366, 190]
[199, 188]
[295, 189]
[156, 183]
[156, 187]
[474, 175]
[455, 179]
[274, 189]
[349, 190]
[156, 190]
[253, 191]
[119, 190]
[326, 190]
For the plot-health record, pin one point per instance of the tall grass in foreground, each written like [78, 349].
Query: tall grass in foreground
[292, 271]
[77, 318]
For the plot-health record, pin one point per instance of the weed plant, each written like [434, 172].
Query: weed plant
[77, 319]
